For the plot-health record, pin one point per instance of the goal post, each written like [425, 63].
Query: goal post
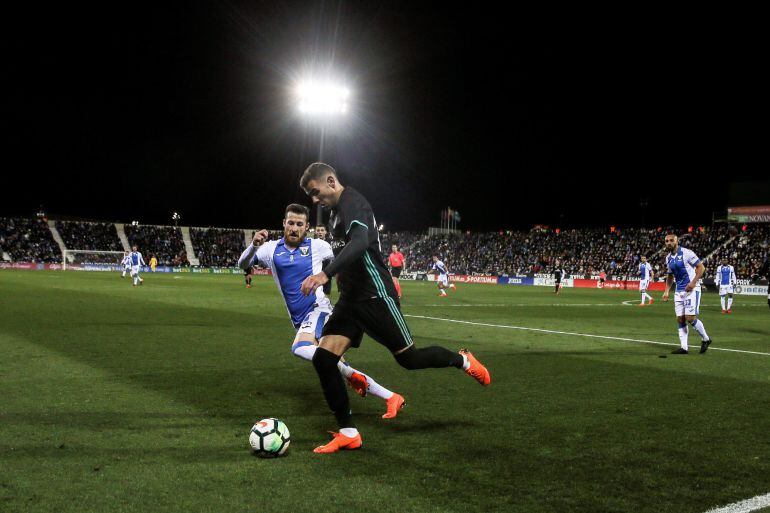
[74, 258]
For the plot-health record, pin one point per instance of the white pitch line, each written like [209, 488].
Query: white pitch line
[605, 337]
[522, 304]
[753, 504]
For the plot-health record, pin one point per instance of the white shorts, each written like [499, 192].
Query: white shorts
[726, 289]
[135, 269]
[687, 303]
[644, 284]
[443, 279]
[314, 322]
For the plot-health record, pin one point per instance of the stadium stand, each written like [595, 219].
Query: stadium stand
[28, 240]
[91, 236]
[217, 247]
[164, 242]
[581, 252]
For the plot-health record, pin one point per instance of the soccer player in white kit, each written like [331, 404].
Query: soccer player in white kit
[685, 270]
[725, 278]
[136, 261]
[126, 264]
[442, 280]
[292, 259]
[645, 277]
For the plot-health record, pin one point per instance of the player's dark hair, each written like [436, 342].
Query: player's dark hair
[315, 171]
[296, 208]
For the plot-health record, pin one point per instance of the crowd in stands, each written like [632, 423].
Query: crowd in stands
[580, 252]
[163, 242]
[89, 236]
[584, 252]
[28, 240]
[217, 247]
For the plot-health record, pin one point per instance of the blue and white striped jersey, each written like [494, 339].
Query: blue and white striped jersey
[645, 271]
[136, 258]
[682, 267]
[440, 267]
[290, 268]
[725, 275]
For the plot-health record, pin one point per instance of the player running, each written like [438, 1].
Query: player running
[136, 262]
[442, 277]
[725, 279]
[368, 302]
[646, 275]
[396, 261]
[126, 262]
[685, 270]
[292, 259]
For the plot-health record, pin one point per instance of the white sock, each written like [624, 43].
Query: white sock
[376, 389]
[648, 296]
[643, 297]
[466, 363]
[443, 292]
[305, 352]
[700, 328]
[349, 432]
[135, 280]
[729, 302]
[722, 299]
[683, 336]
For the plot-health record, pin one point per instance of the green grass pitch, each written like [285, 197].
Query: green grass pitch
[114, 398]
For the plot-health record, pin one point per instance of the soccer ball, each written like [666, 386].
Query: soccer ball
[269, 438]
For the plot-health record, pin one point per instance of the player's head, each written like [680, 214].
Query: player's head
[320, 182]
[320, 232]
[435, 258]
[133, 247]
[644, 258]
[295, 222]
[672, 241]
[394, 248]
[725, 261]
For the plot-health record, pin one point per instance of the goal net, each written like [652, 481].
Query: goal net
[77, 258]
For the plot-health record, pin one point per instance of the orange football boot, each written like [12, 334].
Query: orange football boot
[395, 403]
[340, 442]
[477, 371]
[357, 382]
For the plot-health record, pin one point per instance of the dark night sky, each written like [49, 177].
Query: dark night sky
[131, 112]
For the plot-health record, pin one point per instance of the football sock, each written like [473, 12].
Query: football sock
[683, 335]
[303, 349]
[700, 328]
[722, 299]
[429, 357]
[376, 389]
[325, 363]
[398, 286]
[644, 296]
[648, 296]
[349, 432]
[442, 291]
[729, 302]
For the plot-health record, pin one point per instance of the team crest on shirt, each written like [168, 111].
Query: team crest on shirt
[304, 250]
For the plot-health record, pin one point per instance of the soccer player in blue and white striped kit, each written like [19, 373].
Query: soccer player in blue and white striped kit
[645, 277]
[685, 270]
[725, 280]
[136, 261]
[292, 259]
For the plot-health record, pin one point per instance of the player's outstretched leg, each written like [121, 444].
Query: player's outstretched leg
[433, 357]
[362, 383]
[701, 329]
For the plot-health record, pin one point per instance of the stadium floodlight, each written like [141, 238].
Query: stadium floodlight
[322, 98]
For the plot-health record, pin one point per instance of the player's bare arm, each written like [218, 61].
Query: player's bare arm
[699, 270]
